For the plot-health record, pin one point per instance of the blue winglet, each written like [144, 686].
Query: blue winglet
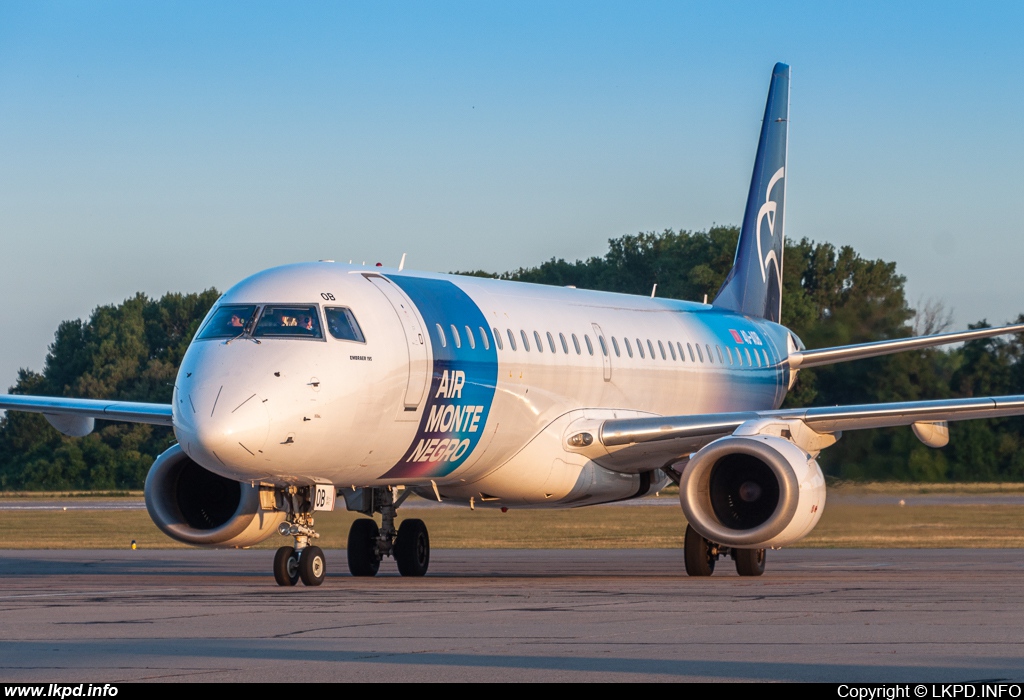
[754, 285]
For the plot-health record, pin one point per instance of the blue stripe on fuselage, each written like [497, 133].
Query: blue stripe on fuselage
[761, 381]
[462, 381]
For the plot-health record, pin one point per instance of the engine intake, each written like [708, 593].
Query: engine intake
[752, 492]
[193, 505]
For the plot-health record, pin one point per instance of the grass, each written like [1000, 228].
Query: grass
[842, 525]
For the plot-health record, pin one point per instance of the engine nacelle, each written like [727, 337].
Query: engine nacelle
[752, 492]
[193, 505]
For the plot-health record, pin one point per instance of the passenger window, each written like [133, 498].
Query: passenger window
[750, 363]
[455, 336]
[540, 343]
[640, 348]
[728, 351]
[440, 334]
[650, 347]
[629, 348]
[497, 338]
[526, 341]
[576, 344]
[757, 357]
[483, 338]
[711, 358]
[690, 348]
[551, 343]
[288, 322]
[590, 346]
[604, 348]
[671, 349]
[719, 351]
[511, 339]
[615, 345]
[682, 357]
[470, 338]
[343, 325]
[699, 353]
[662, 349]
[565, 346]
[766, 362]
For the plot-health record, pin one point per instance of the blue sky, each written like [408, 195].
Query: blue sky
[177, 146]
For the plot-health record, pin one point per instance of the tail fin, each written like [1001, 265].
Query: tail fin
[754, 285]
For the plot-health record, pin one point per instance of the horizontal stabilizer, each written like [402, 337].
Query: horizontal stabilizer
[803, 359]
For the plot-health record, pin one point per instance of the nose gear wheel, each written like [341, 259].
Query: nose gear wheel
[286, 566]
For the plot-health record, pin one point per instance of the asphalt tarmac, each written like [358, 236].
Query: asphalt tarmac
[514, 615]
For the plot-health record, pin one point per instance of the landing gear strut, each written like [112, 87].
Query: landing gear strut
[701, 554]
[302, 561]
[369, 544]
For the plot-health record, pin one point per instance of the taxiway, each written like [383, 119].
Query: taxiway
[514, 615]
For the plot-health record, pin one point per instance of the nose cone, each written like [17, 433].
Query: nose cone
[222, 426]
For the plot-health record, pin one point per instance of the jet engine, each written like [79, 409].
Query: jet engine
[193, 505]
[752, 491]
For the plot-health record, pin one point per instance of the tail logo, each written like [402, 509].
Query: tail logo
[767, 213]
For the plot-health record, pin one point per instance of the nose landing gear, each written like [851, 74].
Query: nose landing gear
[303, 561]
[369, 544]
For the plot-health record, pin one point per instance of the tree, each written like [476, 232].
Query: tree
[129, 352]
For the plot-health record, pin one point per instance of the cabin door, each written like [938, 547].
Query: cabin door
[415, 345]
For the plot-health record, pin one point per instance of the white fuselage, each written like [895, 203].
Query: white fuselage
[460, 383]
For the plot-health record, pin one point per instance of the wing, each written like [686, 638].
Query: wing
[825, 419]
[638, 444]
[76, 417]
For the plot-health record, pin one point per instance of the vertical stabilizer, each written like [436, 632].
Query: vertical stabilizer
[754, 285]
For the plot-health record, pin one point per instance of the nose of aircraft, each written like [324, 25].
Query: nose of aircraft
[222, 425]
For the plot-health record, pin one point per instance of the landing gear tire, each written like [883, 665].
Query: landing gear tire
[412, 548]
[286, 567]
[312, 566]
[363, 559]
[697, 554]
[750, 562]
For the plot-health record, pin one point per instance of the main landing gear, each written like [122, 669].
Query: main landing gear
[303, 561]
[701, 554]
[369, 544]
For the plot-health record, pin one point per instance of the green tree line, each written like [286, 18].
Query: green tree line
[831, 296]
[128, 352]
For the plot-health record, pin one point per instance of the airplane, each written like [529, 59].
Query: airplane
[315, 384]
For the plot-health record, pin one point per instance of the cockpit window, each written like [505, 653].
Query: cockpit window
[228, 322]
[288, 322]
[343, 325]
